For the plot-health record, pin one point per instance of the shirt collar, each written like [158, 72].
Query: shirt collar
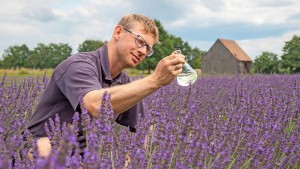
[103, 52]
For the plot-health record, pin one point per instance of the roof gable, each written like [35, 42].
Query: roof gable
[235, 50]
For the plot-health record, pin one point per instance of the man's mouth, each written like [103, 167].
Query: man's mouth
[136, 59]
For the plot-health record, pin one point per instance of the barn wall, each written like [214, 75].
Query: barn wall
[218, 60]
[244, 67]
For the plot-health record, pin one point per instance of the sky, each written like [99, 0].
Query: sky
[256, 25]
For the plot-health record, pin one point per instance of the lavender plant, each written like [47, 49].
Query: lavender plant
[218, 122]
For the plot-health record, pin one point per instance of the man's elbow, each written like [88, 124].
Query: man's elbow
[92, 108]
[92, 102]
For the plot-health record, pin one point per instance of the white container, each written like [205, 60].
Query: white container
[187, 76]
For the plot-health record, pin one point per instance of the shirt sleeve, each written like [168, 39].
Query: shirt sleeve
[130, 117]
[75, 80]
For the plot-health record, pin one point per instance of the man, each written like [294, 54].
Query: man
[88, 75]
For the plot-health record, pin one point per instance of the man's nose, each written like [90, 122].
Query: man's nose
[143, 50]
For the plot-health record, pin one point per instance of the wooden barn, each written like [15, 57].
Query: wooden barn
[226, 57]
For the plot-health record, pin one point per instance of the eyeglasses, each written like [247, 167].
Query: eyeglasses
[140, 42]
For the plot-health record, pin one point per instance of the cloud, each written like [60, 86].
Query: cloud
[274, 44]
[265, 22]
[40, 14]
[219, 12]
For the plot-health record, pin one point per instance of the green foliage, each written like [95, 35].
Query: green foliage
[195, 58]
[90, 45]
[48, 56]
[266, 63]
[43, 56]
[15, 56]
[290, 60]
[23, 72]
[291, 56]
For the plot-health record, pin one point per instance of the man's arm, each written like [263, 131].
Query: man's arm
[125, 96]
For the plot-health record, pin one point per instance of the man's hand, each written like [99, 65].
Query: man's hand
[168, 69]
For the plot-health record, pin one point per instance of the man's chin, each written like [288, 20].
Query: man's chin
[134, 64]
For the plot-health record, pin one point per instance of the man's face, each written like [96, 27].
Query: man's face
[138, 43]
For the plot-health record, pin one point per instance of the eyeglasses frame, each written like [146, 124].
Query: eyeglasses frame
[150, 49]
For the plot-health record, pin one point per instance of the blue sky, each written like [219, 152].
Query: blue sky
[257, 25]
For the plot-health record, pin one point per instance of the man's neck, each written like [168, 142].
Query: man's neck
[114, 65]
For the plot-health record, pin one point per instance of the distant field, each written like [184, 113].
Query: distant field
[19, 75]
[26, 72]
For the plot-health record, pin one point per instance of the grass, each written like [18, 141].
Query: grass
[19, 75]
[26, 72]
[40, 72]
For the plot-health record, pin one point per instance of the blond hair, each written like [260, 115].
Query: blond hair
[128, 22]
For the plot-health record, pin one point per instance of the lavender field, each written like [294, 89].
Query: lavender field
[218, 122]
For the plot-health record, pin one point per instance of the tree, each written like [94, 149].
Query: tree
[291, 56]
[15, 56]
[196, 56]
[48, 56]
[90, 45]
[266, 63]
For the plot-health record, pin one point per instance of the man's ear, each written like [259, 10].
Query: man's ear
[117, 32]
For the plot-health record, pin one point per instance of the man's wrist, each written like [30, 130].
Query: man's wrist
[151, 80]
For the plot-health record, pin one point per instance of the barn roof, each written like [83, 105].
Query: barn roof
[235, 50]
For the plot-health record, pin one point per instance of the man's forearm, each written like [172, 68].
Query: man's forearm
[123, 96]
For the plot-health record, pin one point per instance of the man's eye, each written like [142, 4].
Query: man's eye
[140, 41]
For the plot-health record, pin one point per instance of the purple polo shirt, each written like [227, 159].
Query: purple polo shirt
[70, 81]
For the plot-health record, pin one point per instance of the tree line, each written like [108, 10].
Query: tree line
[287, 63]
[49, 56]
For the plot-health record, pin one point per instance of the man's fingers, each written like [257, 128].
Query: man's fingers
[176, 52]
[177, 60]
[174, 55]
